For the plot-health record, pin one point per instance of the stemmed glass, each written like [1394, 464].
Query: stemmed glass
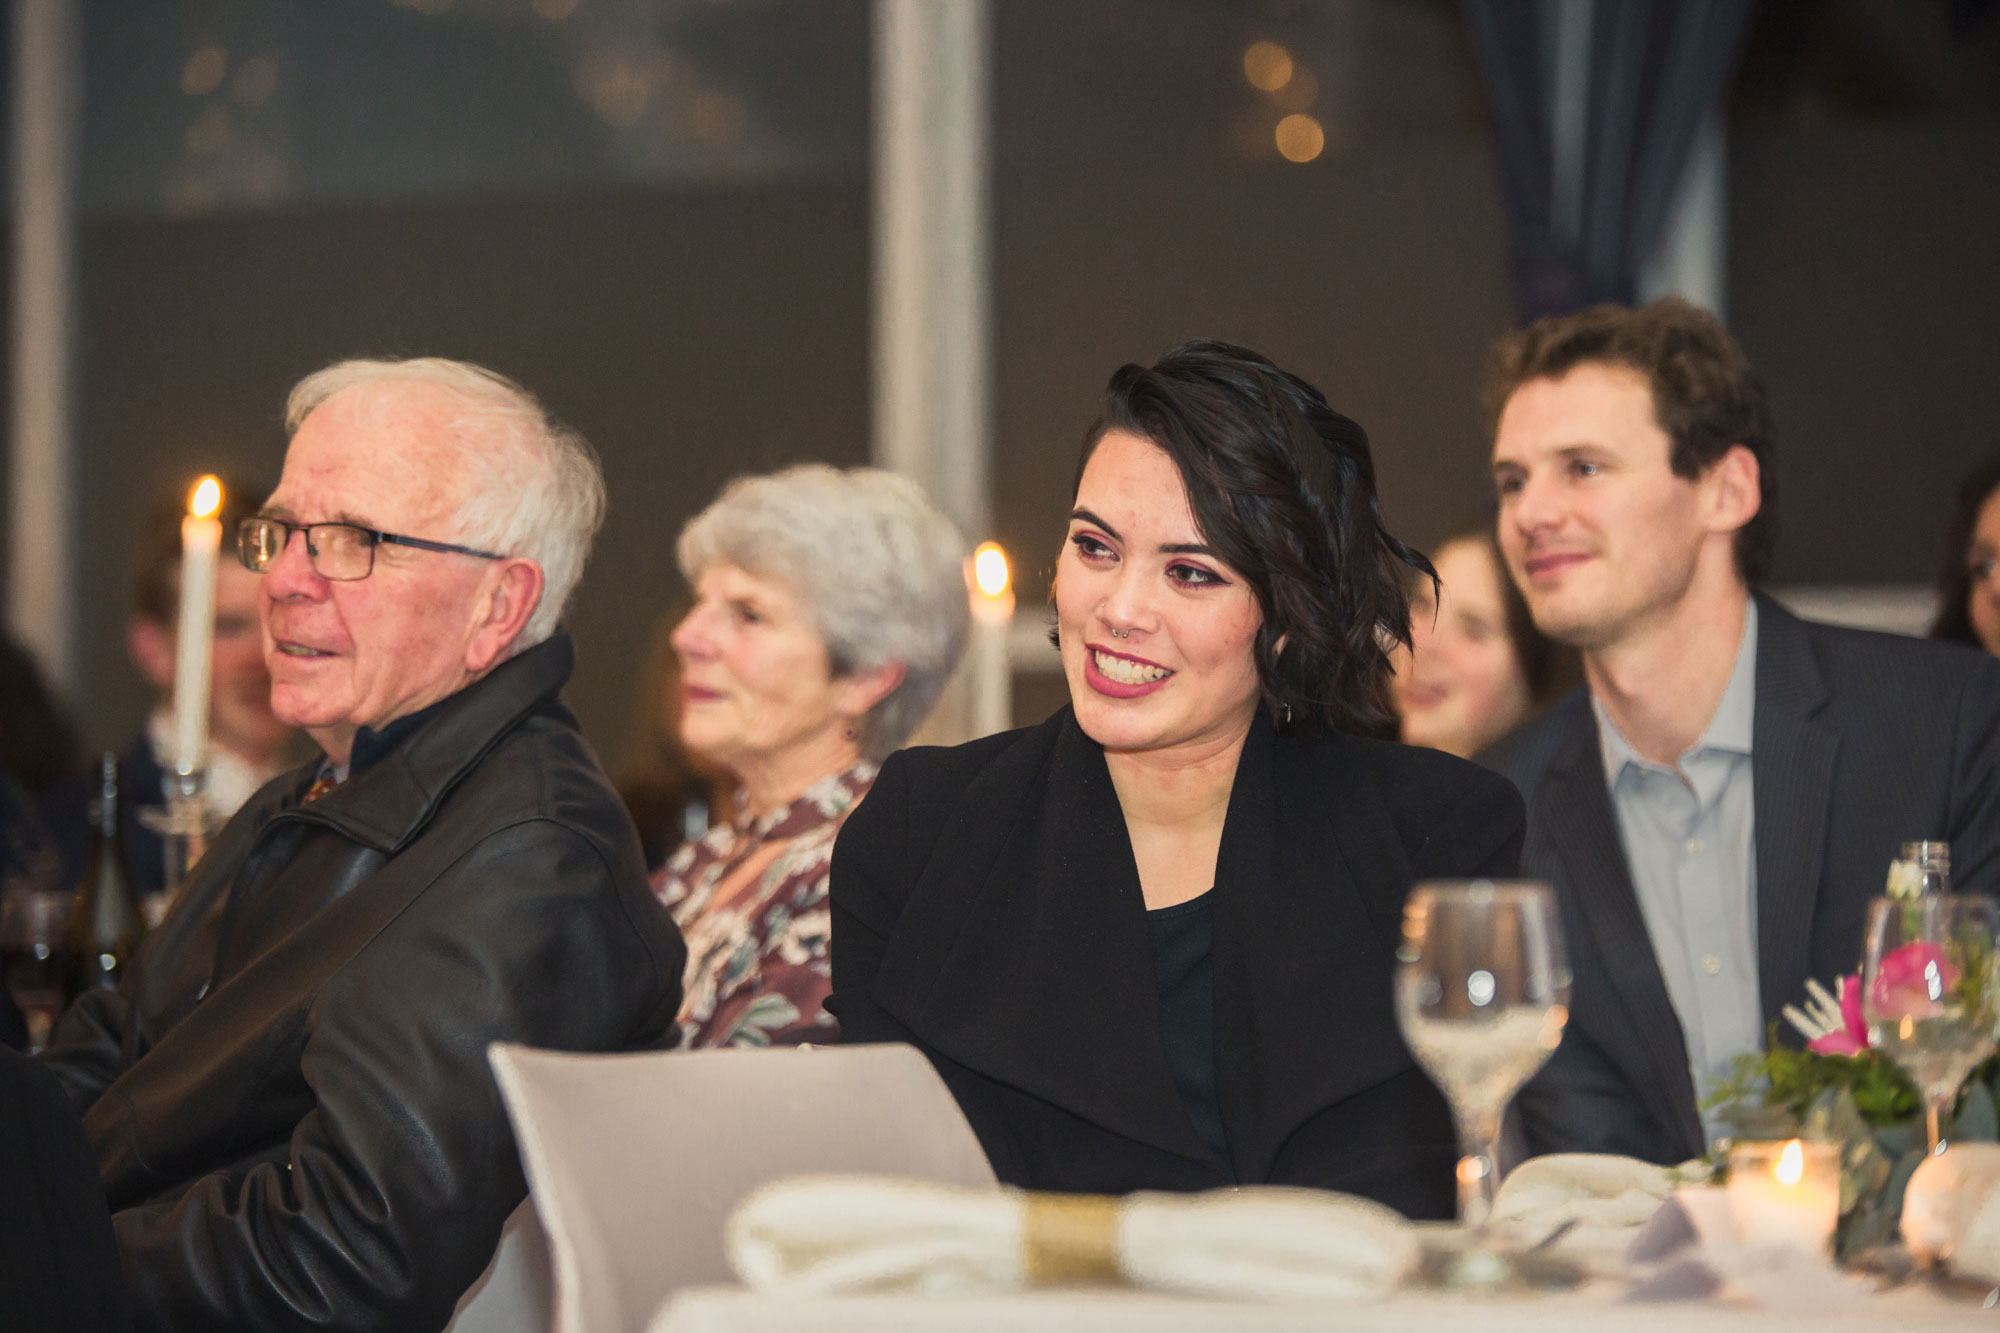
[31, 926]
[1482, 993]
[1929, 992]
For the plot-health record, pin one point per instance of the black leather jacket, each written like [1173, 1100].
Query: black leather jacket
[289, 1097]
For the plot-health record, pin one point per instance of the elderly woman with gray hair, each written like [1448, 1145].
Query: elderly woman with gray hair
[830, 610]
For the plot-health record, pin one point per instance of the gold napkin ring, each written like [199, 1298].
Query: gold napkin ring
[1069, 1237]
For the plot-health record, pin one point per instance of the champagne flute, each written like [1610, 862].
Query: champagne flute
[31, 926]
[1929, 992]
[1482, 993]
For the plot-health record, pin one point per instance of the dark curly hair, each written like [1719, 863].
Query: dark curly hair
[1283, 488]
[1705, 395]
[1954, 617]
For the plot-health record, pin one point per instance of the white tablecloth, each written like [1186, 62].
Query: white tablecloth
[734, 1310]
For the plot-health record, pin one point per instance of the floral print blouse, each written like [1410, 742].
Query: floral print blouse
[758, 965]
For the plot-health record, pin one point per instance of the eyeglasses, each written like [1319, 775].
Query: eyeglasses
[338, 551]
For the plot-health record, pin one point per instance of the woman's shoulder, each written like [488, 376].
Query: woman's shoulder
[908, 816]
[929, 780]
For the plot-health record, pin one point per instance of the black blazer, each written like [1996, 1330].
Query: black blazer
[986, 908]
[1860, 743]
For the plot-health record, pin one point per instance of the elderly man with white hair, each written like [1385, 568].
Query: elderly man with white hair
[288, 1096]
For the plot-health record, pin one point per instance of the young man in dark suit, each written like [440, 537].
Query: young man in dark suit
[1718, 805]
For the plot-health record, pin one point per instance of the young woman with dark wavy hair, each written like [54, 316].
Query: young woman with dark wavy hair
[1149, 944]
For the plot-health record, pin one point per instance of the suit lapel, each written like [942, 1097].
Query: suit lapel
[1614, 960]
[1793, 757]
[1304, 955]
[1022, 954]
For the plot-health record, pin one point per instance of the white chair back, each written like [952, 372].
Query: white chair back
[516, 1293]
[635, 1161]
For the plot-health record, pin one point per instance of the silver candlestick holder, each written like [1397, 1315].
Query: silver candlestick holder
[184, 824]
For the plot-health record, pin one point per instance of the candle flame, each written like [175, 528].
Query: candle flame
[1790, 1166]
[206, 497]
[989, 569]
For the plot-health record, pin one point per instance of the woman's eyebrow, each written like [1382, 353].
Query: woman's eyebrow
[1081, 515]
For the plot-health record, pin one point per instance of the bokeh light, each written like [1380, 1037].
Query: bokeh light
[1300, 93]
[256, 80]
[1268, 66]
[1300, 138]
[203, 72]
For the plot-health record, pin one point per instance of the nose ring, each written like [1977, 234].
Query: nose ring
[1121, 634]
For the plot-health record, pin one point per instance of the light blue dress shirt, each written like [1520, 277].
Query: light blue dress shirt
[1689, 833]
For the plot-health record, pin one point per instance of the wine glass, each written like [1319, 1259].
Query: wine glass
[1929, 992]
[1482, 993]
[31, 928]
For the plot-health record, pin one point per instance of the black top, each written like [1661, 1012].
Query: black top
[1183, 938]
[986, 908]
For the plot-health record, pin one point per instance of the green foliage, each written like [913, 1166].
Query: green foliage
[1788, 1080]
[1862, 1102]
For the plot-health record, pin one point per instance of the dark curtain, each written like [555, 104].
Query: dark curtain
[1596, 104]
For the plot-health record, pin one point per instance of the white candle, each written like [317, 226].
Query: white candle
[201, 540]
[1785, 1195]
[992, 616]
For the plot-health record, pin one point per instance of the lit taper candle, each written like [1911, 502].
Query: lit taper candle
[992, 615]
[201, 541]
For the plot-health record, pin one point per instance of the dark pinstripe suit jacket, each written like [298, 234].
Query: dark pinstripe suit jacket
[1861, 742]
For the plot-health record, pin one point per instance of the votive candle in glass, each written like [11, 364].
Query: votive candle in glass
[1785, 1195]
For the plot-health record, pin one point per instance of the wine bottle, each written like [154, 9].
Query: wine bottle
[1933, 862]
[105, 925]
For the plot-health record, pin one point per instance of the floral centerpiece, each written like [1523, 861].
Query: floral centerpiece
[1840, 1089]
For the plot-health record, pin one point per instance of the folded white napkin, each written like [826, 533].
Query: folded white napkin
[823, 1235]
[1606, 1198]
[1951, 1210]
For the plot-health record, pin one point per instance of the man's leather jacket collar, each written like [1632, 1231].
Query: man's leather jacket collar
[389, 801]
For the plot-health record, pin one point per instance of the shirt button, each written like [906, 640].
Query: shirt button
[1694, 846]
[1711, 965]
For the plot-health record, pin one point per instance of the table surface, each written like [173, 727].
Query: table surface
[735, 1310]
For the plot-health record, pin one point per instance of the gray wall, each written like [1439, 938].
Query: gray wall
[696, 335]
[690, 337]
[1865, 286]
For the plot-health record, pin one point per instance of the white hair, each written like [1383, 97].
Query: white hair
[880, 570]
[534, 486]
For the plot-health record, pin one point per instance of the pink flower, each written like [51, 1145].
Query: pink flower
[1852, 1039]
[1911, 983]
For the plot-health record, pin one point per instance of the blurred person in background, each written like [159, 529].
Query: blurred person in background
[247, 744]
[830, 610]
[38, 741]
[38, 778]
[1150, 943]
[1476, 667]
[1969, 587]
[672, 794]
